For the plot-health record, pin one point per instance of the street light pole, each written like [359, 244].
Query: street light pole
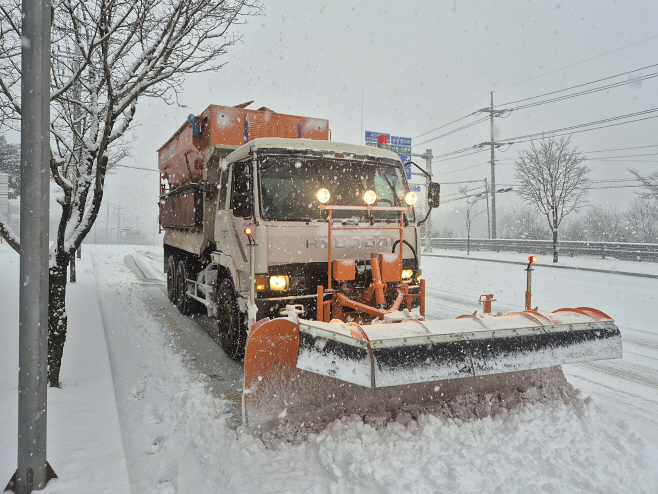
[427, 156]
[33, 471]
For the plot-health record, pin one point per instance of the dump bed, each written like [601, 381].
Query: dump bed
[181, 158]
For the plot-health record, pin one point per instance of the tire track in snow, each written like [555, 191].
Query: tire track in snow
[635, 373]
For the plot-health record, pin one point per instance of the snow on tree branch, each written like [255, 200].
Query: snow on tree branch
[649, 182]
[106, 55]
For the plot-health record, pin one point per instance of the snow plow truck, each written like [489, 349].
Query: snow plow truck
[305, 254]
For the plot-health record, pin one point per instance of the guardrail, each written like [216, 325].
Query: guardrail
[616, 250]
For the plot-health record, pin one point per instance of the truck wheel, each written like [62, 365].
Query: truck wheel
[183, 302]
[171, 280]
[230, 321]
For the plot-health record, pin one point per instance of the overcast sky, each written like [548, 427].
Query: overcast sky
[410, 67]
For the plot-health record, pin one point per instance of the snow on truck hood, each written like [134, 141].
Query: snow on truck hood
[308, 144]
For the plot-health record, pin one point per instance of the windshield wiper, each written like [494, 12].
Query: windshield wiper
[390, 185]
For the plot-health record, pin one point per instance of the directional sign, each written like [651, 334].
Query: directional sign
[399, 145]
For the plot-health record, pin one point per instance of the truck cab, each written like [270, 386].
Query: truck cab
[270, 186]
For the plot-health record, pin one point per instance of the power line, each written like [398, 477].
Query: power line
[453, 131]
[605, 120]
[624, 156]
[585, 92]
[596, 128]
[577, 63]
[599, 158]
[462, 182]
[621, 149]
[445, 125]
[453, 152]
[463, 155]
[580, 85]
[137, 168]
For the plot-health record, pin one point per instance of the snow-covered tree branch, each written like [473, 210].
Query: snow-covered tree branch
[106, 55]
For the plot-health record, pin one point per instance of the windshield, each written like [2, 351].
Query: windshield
[288, 186]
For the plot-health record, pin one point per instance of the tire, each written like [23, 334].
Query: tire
[183, 302]
[230, 320]
[172, 293]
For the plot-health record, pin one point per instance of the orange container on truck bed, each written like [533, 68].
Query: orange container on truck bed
[181, 159]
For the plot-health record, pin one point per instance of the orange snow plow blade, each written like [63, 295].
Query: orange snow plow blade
[312, 370]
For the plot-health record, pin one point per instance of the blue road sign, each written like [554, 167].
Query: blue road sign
[400, 143]
[374, 136]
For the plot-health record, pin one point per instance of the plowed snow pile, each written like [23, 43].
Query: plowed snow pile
[185, 439]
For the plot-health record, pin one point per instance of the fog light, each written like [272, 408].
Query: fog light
[260, 282]
[278, 282]
[407, 274]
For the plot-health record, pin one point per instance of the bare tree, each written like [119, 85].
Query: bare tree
[522, 223]
[607, 224]
[106, 54]
[470, 216]
[649, 182]
[553, 179]
[643, 220]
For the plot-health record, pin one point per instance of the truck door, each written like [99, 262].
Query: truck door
[235, 213]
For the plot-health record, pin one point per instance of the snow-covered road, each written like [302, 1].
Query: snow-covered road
[175, 393]
[625, 391]
[627, 387]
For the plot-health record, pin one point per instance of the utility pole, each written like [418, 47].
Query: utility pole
[493, 171]
[427, 232]
[493, 144]
[118, 209]
[107, 223]
[33, 470]
[486, 191]
[428, 224]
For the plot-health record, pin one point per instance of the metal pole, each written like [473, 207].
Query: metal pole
[33, 470]
[428, 223]
[252, 279]
[486, 191]
[528, 288]
[493, 172]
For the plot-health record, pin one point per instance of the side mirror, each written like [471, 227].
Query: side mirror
[434, 195]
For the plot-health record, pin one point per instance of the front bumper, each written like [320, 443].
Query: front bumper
[272, 306]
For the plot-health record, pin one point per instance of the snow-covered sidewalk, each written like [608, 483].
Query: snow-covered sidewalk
[84, 436]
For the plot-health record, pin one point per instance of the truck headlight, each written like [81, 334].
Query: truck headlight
[407, 274]
[278, 283]
[369, 197]
[323, 196]
[410, 198]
